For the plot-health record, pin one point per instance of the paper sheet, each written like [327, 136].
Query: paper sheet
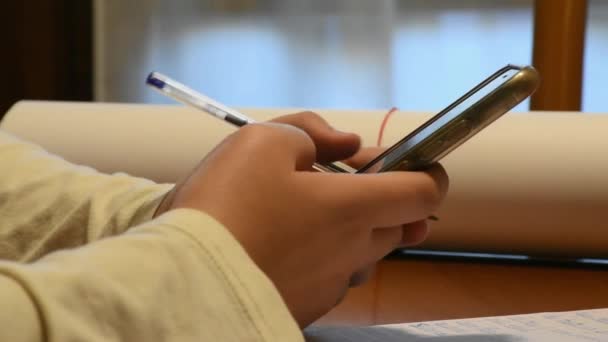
[575, 326]
[532, 183]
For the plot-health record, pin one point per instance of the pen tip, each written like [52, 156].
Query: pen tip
[154, 81]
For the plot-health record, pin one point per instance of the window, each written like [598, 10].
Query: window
[595, 74]
[417, 55]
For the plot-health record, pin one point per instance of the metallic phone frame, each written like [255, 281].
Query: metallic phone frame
[478, 116]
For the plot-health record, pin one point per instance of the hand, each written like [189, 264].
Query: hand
[308, 231]
[413, 233]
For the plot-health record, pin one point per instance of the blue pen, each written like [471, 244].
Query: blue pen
[187, 96]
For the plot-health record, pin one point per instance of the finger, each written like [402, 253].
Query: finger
[383, 199]
[388, 238]
[383, 241]
[411, 234]
[414, 233]
[331, 144]
[364, 156]
[280, 145]
[439, 174]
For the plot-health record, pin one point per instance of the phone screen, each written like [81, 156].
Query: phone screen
[447, 116]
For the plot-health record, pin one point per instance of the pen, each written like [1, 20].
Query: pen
[187, 96]
[190, 97]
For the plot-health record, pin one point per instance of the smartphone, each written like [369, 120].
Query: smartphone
[457, 123]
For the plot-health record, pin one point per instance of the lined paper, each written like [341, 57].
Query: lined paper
[573, 326]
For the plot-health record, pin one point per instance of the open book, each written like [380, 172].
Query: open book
[588, 325]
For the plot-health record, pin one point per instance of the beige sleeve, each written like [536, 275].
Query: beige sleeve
[75, 204]
[179, 277]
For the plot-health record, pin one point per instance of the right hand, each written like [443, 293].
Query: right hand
[308, 231]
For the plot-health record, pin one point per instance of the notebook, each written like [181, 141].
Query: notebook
[572, 326]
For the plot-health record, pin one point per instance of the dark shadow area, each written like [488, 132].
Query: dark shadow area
[48, 51]
[498, 259]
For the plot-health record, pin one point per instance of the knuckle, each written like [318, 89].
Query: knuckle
[428, 193]
[298, 135]
[256, 136]
[300, 119]
[310, 120]
[251, 130]
[311, 116]
[278, 139]
[251, 133]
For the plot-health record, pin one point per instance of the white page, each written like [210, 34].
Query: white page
[588, 325]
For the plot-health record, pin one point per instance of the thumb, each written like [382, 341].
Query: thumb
[331, 144]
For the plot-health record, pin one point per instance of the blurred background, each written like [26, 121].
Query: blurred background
[360, 54]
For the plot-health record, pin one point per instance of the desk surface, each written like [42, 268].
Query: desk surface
[419, 290]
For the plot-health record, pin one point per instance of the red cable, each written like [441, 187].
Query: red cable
[383, 125]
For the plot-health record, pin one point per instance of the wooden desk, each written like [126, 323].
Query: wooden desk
[419, 290]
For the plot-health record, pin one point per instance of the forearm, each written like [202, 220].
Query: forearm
[75, 204]
[179, 277]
